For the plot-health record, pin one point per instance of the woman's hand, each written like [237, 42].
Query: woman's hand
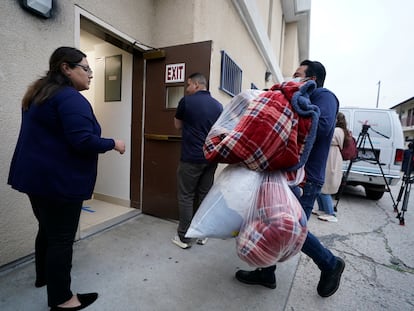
[119, 146]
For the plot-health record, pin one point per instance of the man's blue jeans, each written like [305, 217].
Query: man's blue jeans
[322, 256]
[325, 203]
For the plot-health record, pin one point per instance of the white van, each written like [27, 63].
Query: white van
[382, 127]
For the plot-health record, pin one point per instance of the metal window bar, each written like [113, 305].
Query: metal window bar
[231, 75]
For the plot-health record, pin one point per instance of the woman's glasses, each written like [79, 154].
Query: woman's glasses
[87, 69]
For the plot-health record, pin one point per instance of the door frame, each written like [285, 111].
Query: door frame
[106, 32]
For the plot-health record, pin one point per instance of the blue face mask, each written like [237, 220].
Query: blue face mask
[298, 79]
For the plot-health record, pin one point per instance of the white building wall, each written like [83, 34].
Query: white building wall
[113, 178]
[263, 8]
[173, 22]
[25, 40]
[230, 35]
[132, 17]
[290, 50]
[216, 20]
[25, 49]
[277, 32]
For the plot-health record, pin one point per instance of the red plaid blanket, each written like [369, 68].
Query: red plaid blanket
[275, 229]
[266, 130]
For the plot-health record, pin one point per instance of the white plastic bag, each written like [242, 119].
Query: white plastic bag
[233, 112]
[275, 227]
[224, 208]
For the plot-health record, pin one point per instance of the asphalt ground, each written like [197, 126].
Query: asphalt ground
[134, 266]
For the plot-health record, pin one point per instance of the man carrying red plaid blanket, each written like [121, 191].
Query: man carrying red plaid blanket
[331, 266]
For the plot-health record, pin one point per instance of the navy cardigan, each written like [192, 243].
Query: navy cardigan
[57, 150]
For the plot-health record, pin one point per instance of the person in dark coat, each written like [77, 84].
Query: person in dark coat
[55, 164]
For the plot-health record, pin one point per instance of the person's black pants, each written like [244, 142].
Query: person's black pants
[58, 221]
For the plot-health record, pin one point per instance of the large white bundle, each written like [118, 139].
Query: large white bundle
[224, 208]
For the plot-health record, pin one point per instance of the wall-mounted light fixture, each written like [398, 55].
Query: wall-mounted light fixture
[41, 8]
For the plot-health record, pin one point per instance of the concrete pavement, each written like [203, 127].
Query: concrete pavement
[379, 256]
[134, 266]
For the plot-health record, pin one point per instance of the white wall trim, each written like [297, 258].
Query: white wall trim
[251, 17]
[81, 12]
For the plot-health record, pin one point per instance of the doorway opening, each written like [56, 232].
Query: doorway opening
[111, 202]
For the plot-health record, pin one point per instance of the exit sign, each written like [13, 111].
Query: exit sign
[174, 73]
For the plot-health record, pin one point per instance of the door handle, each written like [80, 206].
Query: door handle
[162, 137]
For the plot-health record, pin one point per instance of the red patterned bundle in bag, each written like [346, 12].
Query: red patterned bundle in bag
[276, 226]
[271, 132]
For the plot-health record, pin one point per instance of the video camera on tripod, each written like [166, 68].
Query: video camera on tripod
[378, 163]
[365, 128]
[407, 180]
[368, 154]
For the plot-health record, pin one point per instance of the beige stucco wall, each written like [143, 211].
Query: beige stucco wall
[27, 41]
[277, 31]
[290, 50]
[24, 57]
[132, 17]
[229, 35]
[217, 20]
[263, 8]
[177, 18]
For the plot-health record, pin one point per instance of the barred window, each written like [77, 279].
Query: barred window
[410, 117]
[231, 75]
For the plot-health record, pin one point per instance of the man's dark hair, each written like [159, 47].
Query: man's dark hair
[199, 77]
[315, 69]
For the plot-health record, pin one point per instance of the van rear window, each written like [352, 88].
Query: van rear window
[379, 122]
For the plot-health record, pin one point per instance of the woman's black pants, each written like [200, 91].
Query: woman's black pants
[58, 221]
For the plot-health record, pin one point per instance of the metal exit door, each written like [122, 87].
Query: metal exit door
[162, 142]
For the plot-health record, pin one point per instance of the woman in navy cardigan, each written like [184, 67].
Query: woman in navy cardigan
[55, 164]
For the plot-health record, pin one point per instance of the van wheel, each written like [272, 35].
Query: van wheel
[374, 194]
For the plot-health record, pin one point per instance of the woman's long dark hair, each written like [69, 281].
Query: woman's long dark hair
[45, 87]
[341, 122]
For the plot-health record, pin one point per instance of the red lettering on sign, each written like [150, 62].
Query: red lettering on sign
[175, 73]
[169, 73]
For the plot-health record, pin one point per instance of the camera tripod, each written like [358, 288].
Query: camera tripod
[363, 155]
[407, 181]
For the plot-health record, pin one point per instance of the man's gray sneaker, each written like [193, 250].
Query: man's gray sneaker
[177, 241]
[202, 241]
